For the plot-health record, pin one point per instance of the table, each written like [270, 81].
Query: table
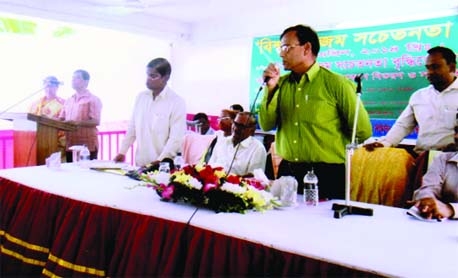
[79, 222]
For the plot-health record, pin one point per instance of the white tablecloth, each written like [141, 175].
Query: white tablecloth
[388, 243]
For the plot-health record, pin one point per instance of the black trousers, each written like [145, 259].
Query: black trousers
[331, 177]
[69, 155]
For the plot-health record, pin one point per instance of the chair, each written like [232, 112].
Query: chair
[193, 125]
[381, 176]
[194, 146]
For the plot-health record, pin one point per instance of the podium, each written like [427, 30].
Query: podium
[35, 137]
[46, 135]
[24, 139]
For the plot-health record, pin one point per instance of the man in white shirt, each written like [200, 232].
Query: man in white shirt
[432, 109]
[158, 122]
[240, 153]
[205, 128]
[438, 195]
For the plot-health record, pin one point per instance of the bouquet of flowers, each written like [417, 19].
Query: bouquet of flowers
[211, 187]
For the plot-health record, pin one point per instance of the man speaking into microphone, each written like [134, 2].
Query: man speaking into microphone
[313, 111]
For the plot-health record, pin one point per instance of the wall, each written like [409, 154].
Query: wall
[212, 75]
[116, 61]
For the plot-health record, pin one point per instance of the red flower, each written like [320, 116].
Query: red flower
[255, 183]
[233, 179]
[207, 175]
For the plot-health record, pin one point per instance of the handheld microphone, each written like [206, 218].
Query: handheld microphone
[264, 83]
[266, 79]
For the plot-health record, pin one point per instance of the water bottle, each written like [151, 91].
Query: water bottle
[85, 156]
[164, 167]
[310, 195]
[178, 161]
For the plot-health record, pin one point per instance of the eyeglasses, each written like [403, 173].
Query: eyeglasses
[242, 126]
[224, 118]
[287, 47]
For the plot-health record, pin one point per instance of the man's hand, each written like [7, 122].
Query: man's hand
[371, 146]
[431, 208]
[119, 158]
[272, 75]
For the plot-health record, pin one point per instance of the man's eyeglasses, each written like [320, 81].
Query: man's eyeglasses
[242, 126]
[287, 47]
[224, 118]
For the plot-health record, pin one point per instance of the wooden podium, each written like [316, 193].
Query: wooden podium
[24, 139]
[46, 135]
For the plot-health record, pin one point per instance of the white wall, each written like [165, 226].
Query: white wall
[212, 75]
[116, 61]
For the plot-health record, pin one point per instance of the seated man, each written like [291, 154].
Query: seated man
[438, 196]
[225, 121]
[205, 128]
[240, 153]
[432, 108]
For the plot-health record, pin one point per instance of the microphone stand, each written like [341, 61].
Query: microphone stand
[22, 100]
[339, 209]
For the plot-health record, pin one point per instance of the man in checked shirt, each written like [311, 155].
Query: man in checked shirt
[82, 109]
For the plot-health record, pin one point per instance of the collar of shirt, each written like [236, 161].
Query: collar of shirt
[247, 142]
[308, 76]
[452, 87]
[454, 158]
[81, 95]
[163, 94]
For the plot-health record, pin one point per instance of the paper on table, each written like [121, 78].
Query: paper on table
[413, 211]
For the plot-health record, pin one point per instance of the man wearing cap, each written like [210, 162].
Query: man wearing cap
[50, 105]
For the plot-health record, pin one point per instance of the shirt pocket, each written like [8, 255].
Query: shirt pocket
[318, 112]
[448, 113]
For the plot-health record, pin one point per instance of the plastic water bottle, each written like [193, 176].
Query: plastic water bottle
[178, 161]
[85, 156]
[310, 189]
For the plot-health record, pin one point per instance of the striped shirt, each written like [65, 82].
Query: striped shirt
[82, 107]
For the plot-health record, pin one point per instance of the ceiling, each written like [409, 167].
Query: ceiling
[217, 19]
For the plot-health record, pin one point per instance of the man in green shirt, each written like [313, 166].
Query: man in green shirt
[313, 110]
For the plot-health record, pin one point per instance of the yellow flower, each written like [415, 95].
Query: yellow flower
[220, 174]
[181, 177]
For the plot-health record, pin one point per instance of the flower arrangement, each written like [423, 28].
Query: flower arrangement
[211, 187]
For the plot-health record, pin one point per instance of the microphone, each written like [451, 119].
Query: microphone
[358, 82]
[266, 79]
[21, 101]
[264, 83]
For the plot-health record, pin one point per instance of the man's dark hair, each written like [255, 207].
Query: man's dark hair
[84, 74]
[447, 53]
[161, 65]
[200, 116]
[305, 34]
[237, 107]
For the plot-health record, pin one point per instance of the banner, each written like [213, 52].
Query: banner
[390, 57]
